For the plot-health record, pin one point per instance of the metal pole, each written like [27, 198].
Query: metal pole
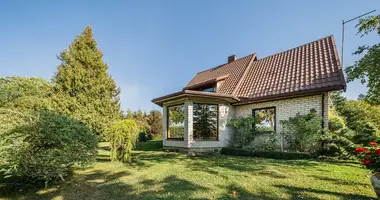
[343, 22]
[342, 42]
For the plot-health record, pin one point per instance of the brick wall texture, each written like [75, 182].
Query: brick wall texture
[289, 108]
[284, 109]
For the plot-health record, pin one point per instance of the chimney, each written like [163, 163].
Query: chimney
[231, 58]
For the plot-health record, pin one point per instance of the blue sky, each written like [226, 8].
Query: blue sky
[154, 48]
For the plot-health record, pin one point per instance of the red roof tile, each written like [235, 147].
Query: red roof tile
[308, 67]
[231, 73]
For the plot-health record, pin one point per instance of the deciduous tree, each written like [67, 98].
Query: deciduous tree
[155, 122]
[367, 69]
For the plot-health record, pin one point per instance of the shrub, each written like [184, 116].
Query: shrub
[367, 133]
[357, 112]
[157, 137]
[335, 142]
[335, 123]
[242, 131]
[266, 142]
[275, 155]
[370, 156]
[142, 121]
[155, 123]
[302, 131]
[143, 137]
[330, 150]
[44, 145]
[15, 87]
[122, 136]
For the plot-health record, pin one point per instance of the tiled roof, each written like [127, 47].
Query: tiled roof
[231, 73]
[309, 67]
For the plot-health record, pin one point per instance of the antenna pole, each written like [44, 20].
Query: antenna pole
[343, 22]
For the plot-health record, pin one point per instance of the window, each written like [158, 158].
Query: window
[265, 120]
[211, 89]
[205, 121]
[176, 121]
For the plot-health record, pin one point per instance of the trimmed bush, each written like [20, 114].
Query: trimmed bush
[275, 155]
[302, 132]
[123, 136]
[266, 142]
[44, 145]
[243, 133]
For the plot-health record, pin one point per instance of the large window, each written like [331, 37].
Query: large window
[205, 121]
[265, 120]
[176, 119]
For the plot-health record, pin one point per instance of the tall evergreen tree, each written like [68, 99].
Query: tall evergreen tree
[82, 87]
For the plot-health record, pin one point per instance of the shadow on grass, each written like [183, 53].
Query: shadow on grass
[298, 193]
[105, 185]
[337, 181]
[103, 158]
[289, 192]
[15, 186]
[241, 193]
[105, 148]
[102, 184]
[152, 145]
[172, 188]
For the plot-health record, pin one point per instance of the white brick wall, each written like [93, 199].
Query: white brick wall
[288, 108]
[284, 109]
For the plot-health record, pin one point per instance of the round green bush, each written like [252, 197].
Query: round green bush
[44, 145]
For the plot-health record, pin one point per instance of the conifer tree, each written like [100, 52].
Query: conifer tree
[82, 87]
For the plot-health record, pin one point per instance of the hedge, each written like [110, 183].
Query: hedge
[275, 155]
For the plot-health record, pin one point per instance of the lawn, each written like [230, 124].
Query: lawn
[160, 175]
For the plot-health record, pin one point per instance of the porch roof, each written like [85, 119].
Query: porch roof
[191, 93]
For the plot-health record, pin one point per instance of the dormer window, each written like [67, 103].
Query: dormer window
[210, 89]
[207, 87]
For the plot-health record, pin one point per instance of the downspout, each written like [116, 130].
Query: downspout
[323, 118]
[323, 111]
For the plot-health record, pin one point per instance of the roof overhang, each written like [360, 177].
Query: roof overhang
[236, 101]
[288, 95]
[191, 93]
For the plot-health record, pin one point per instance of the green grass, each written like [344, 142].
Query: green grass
[160, 175]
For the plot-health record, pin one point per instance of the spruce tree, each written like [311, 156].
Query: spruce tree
[82, 87]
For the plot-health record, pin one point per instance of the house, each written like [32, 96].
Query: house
[271, 89]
